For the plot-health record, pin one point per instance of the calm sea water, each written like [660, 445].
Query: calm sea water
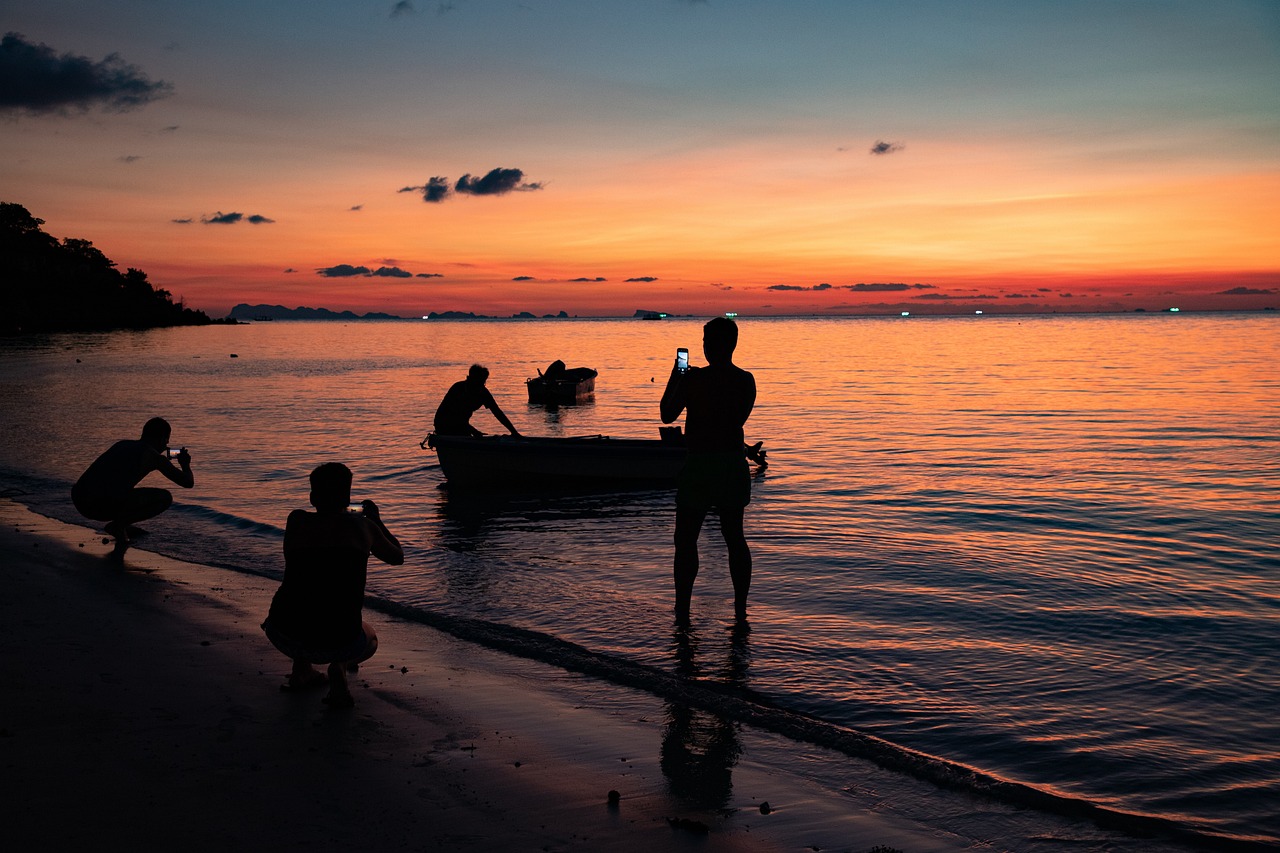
[1042, 547]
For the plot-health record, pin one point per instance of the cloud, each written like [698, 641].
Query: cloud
[404, 7]
[129, 158]
[430, 275]
[391, 272]
[883, 287]
[343, 271]
[356, 207]
[524, 278]
[719, 285]
[644, 278]
[434, 190]
[495, 182]
[881, 148]
[186, 221]
[792, 287]
[36, 80]
[290, 269]
[584, 278]
[1248, 291]
[234, 217]
[173, 128]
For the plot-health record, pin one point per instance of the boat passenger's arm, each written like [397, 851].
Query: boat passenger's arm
[504, 420]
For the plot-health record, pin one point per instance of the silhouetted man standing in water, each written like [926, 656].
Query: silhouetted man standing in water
[718, 399]
[106, 490]
[463, 400]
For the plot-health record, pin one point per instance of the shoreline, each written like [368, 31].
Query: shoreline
[145, 712]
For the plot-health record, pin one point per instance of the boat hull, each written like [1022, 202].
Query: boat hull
[595, 462]
[560, 391]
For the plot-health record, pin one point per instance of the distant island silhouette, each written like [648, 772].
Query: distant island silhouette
[70, 286]
[244, 311]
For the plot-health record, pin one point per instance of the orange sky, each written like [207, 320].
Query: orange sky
[685, 157]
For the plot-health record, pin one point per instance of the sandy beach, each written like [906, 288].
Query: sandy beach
[143, 711]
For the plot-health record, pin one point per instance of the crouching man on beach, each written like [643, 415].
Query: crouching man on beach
[107, 491]
[315, 616]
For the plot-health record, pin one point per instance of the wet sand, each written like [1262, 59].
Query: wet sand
[142, 710]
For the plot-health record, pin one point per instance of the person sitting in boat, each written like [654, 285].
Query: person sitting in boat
[107, 490]
[315, 615]
[463, 399]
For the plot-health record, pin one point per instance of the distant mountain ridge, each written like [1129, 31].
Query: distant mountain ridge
[245, 311]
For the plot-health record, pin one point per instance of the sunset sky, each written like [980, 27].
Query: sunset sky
[603, 156]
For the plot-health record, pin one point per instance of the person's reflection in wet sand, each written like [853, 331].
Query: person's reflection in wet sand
[699, 747]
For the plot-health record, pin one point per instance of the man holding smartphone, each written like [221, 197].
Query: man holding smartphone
[718, 400]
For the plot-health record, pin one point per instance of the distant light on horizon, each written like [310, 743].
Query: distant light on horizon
[906, 313]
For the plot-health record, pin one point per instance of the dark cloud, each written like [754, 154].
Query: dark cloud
[430, 275]
[1248, 291]
[719, 285]
[356, 207]
[792, 287]
[36, 80]
[173, 128]
[496, 182]
[584, 278]
[221, 218]
[391, 272]
[882, 287]
[434, 190]
[644, 278]
[404, 7]
[881, 147]
[343, 271]
[186, 221]
[129, 158]
[290, 269]
[524, 278]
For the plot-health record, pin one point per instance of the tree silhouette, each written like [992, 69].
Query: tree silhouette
[46, 285]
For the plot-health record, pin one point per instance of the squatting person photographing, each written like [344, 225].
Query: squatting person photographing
[718, 400]
[107, 490]
[315, 616]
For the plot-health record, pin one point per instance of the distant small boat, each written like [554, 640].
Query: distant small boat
[561, 385]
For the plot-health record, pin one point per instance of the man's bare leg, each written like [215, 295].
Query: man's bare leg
[735, 539]
[688, 526]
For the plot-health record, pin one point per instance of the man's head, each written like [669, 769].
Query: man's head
[156, 432]
[719, 339]
[331, 486]
[478, 374]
